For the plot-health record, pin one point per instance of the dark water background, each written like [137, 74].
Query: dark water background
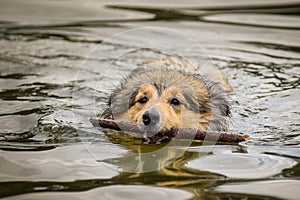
[50, 85]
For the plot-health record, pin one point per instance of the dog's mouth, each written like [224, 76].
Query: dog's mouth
[153, 134]
[156, 139]
[151, 130]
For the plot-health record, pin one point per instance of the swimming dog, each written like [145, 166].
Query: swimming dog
[172, 92]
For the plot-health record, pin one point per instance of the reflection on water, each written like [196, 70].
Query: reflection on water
[50, 86]
[117, 192]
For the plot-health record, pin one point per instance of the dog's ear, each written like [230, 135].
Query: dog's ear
[107, 114]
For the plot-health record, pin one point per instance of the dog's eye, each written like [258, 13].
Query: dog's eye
[143, 100]
[175, 102]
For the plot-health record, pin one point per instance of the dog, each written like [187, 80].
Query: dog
[172, 92]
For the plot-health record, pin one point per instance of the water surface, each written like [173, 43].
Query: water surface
[50, 84]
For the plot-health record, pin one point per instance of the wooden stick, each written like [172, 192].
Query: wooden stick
[179, 133]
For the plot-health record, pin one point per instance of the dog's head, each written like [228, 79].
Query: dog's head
[161, 98]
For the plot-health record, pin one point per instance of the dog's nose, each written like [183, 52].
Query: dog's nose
[150, 116]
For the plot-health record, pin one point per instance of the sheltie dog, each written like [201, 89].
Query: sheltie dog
[172, 92]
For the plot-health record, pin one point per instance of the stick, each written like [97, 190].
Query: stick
[179, 133]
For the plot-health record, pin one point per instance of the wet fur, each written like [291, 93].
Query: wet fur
[203, 103]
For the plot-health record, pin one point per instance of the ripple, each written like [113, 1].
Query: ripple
[245, 166]
[13, 126]
[116, 192]
[26, 147]
[44, 13]
[262, 20]
[285, 189]
[140, 192]
[66, 163]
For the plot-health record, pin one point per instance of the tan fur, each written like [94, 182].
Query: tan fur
[180, 117]
[203, 104]
[206, 69]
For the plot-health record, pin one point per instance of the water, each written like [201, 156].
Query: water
[50, 84]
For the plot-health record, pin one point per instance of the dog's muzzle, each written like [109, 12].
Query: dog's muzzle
[151, 117]
[151, 122]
